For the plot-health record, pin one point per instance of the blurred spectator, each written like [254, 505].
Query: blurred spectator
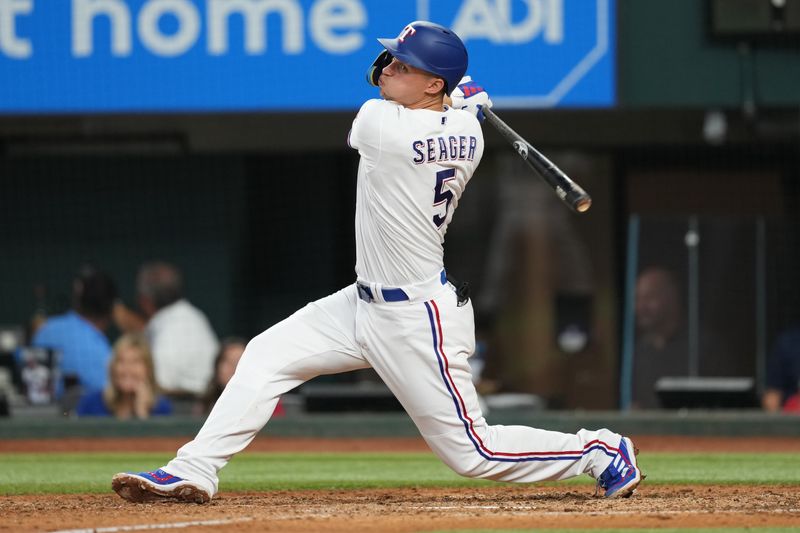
[661, 338]
[131, 391]
[183, 343]
[228, 357]
[783, 373]
[79, 334]
[224, 366]
[536, 255]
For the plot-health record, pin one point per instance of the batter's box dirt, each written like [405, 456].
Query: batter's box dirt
[401, 510]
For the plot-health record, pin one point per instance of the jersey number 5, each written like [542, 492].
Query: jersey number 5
[442, 196]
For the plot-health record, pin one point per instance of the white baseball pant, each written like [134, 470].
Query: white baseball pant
[419, 348]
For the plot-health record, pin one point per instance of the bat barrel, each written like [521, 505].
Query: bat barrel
[578, 200]
[570, 192]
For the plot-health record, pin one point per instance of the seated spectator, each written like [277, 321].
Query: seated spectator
[661, 337]
[79, 335]
[224, 366]
[783, 374]
[225, 363]
[181, 338]
[131, 391]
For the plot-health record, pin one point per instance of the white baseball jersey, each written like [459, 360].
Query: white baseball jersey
[414, 166]
[402, 319]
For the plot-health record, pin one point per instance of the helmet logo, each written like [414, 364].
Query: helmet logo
[407, 32]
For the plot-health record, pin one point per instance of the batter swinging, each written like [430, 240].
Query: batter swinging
[401, 317]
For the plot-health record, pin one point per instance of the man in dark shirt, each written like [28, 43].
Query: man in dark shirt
[661, 339]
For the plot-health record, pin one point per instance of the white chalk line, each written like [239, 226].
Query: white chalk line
[145, 527]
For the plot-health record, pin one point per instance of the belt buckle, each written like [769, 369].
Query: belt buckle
[364, 293]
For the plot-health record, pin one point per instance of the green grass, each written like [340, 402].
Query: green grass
[91, 473]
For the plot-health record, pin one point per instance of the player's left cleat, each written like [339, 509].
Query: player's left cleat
[154, 486]
[622, 476]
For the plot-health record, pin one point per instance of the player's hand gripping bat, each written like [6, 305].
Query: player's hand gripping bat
[566, 189]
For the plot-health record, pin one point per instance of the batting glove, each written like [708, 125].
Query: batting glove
[471, 97]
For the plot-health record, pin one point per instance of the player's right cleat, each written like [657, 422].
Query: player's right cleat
[622, 476]
[157, 486]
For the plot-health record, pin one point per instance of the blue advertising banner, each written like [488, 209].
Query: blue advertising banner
[98, 56]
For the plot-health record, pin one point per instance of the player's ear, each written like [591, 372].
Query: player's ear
[435, 86]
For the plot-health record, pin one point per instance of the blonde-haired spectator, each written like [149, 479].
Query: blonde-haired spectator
[131, 391]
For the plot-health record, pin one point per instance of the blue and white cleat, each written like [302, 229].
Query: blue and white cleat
[157, 486]
[622, 476]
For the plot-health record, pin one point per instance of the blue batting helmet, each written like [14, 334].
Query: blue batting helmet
[432, 48]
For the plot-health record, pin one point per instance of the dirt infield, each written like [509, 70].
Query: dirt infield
[401, 510]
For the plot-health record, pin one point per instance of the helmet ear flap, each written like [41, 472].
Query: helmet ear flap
[374, 71]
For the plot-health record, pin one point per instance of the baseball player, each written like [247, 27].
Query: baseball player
[419, 145]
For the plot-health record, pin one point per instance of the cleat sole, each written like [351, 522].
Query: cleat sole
[137, 490]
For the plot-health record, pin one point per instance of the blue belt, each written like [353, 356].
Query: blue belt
[389, 294]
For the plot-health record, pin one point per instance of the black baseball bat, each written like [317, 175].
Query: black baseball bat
[570, 192]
